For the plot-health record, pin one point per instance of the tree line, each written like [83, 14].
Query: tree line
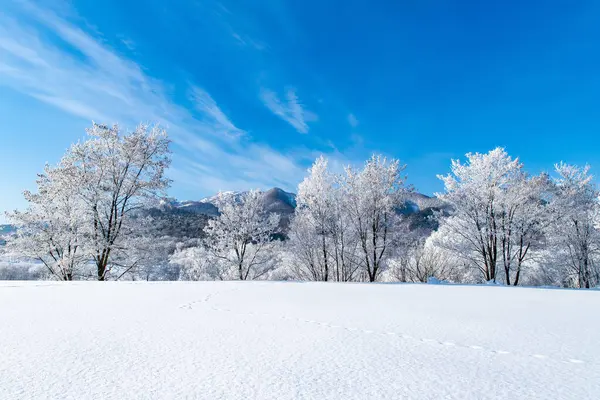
[496, 223]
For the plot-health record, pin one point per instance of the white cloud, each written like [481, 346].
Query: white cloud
[130, 44]
[24, 53]
[70, 106]
[352, 120]
[248, 41]
[208, 106]
[290, 111]
[210, 151]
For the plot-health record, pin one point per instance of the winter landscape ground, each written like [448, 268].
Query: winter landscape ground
[270, 340]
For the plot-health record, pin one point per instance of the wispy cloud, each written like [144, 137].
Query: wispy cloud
[291, 111]
[73, 107]
[211, 152]
[248, 41]
[130, 44]
[352, 120]
[215, 116]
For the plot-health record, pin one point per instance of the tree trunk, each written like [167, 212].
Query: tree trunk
[101, 265]
[326, 272]
[372, 274]
[101, 270]
[518, 275]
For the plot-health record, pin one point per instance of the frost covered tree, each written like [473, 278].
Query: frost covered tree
[346, 256]
[54, 228]
[373, 196]
[525, 215]
[197, 264]
[321, 240]
[576, 233]
[148, 258]
[241, 238]
[309, 255]
[85, 208]
[310, 230]
[117, 173]
[499, 213]
[423, 260]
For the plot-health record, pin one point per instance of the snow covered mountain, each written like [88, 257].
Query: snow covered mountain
[276, 200]
[5, 231]
[418, 209]
[188, 218]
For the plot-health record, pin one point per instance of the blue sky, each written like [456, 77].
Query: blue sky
[252, 91]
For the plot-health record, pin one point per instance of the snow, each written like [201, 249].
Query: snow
[271, 340]
[215, 198]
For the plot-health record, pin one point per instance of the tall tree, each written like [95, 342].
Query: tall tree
[53, 229]
[576, 232]
[116, 174]
[322, 242]
[373, 195]
[524, 217]
[497, 213]
[310, 231]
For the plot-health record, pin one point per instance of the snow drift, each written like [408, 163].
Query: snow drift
[267, 340]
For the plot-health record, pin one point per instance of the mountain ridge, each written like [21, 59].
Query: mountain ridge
[187, 218]
[418, 208]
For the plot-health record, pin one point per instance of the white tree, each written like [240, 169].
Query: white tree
[498, 213]
[321, 240]
[116, 174]
[311, 225]
[149, 256]
[346, 246]
[423, 260]
[53, 229]
[524, 217]
[576, 234]
[198, 264]
[373, 197]
[242, 236]
[308, 253]
[473, 190]
[86, 206]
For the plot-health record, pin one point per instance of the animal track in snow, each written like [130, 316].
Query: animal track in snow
[401, 335]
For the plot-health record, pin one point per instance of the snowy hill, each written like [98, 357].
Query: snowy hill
[6, 229]
[268, 340]
[276, 200]
[192, 215]
[418, 209]
[5, 232]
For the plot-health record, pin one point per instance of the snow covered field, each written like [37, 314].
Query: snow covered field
[267, 340]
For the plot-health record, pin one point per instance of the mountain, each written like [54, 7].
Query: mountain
[416, 202]
[279, 201]
[276, 200]
[5, 231]
[418, 209]
[187, 219]
[198, 207]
